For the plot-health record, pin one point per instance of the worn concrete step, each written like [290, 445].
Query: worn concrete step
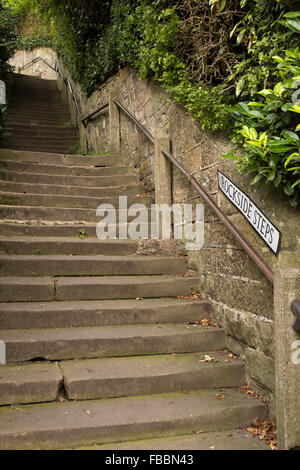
[123, 287]
[68, 180]
[38, 228]
[50, 105]
[44, 148]
[43, 289]
[17, 289]
[36, 188]
[145, 375]
[22, 79]
[24, 213]
[109, 341]
[233, 439]
[59, 159]
[66, 246]
[26, 129]
[39, 112]
[80, 202]
[29, 383]
[61, 425]
[11, 138]
[33, 120]
[64, 170]
[36, 213]
[62, 265]
[105, 313]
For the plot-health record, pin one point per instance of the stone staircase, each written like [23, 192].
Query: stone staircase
[37, 119]
[104, 346]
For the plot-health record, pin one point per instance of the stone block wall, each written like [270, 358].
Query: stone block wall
[38, 69]
[241, 296]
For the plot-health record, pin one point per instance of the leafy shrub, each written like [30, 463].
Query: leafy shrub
[268, 130]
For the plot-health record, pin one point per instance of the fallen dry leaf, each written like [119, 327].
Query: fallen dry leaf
[220, 397]
[265, 431]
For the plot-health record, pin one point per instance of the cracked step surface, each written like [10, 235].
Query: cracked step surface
[35, 289]
[116, 377]
[109, 341]
[63, 265]
[146, 375]
[29, 383]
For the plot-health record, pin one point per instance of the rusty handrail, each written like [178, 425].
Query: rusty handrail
[36, 59]
[58, 70]
[261, 264]
[89, 116]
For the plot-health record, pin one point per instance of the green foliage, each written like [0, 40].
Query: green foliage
[30, 43]
[212, 56]
[268, 130]
[8, 37]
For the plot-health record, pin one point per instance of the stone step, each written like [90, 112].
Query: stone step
[105, 313]
[43, 289]
[63, 265]
[109, 341]
[34, 120]
[36, 382]
[29, 383]
[11, 165]
[59, 159]
[10, 138]
[61, 425]
[62, 118]
[68, 180]
[38, 228]
[51, 105]
[42, 112]
[16, 289]
[45, 148]
[81, 202]
[25, 213]
[55, 214]
[66, 246]
[22, 79]
[36, 188]
[145, 375]
[26, 129]
[234, 439]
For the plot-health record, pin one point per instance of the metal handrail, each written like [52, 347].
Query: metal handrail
[89, 116]
[66, 80]
[36, 60]
[262, 265]
[295, 307]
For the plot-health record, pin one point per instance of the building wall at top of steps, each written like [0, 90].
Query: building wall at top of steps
[241, 295]
[38, 69]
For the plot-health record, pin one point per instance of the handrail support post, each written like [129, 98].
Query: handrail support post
[114, 122]
[287, 359]
[162, 173]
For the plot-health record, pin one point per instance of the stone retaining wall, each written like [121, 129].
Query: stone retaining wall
[38, 69]
[242, 297]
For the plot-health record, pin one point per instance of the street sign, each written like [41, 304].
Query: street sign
[265, 229]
